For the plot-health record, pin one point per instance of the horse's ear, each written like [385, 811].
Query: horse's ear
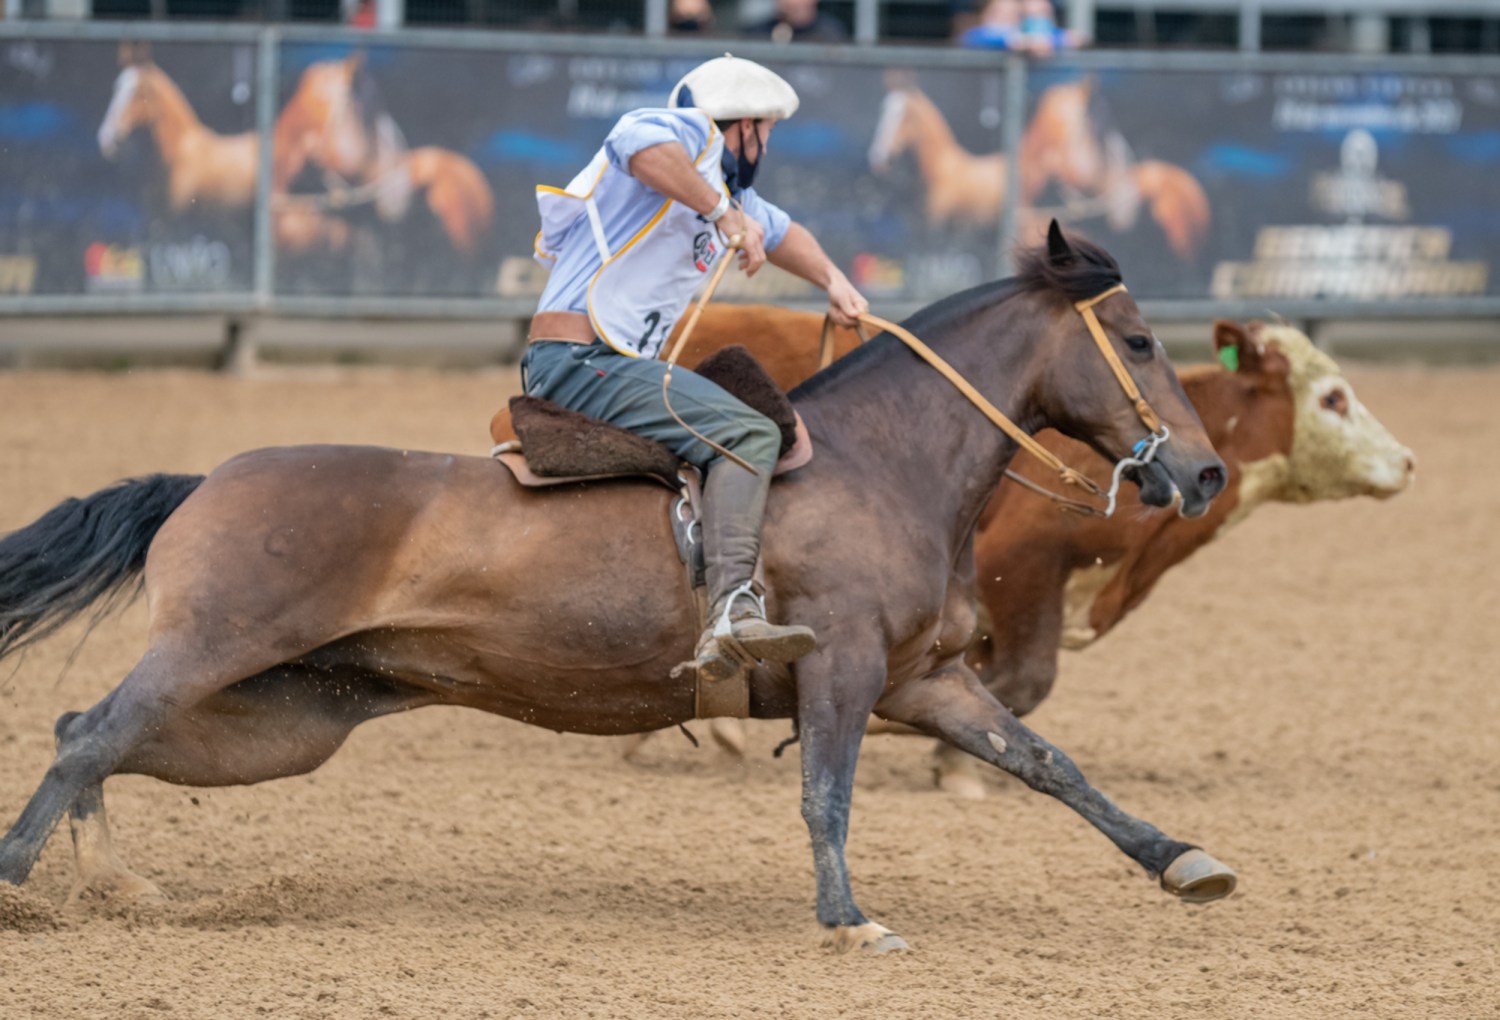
[1059, 252]
[128, 53]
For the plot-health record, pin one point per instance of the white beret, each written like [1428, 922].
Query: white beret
[728, 88]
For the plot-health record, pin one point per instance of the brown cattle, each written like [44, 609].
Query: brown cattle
[1286, 423]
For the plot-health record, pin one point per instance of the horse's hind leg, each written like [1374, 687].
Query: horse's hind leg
[952, 704]
[92, 746]
[100, 871]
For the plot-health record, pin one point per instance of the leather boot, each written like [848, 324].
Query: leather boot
[733, 501]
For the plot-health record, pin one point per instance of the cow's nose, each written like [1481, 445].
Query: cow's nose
[1411, 463]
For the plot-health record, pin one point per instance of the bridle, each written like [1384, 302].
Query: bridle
[1141, 454]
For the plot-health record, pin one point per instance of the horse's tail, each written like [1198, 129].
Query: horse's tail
[79, 552]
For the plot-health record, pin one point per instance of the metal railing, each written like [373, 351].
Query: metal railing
[1019, 83]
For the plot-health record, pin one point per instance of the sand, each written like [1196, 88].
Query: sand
[1314, 699]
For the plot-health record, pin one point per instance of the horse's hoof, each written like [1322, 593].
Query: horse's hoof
[1195, 877]
[729, 734]
[120, 889]
[961, 784]
[869, 937]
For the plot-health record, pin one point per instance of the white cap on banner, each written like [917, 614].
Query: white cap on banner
[728, 88]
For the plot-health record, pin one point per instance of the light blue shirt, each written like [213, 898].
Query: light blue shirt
[627, 208]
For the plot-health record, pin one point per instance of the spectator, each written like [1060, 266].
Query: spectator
[690, 17]
[1025, 26]
[800, 21]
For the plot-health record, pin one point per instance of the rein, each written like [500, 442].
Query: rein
[735, 242]
[1141, 454]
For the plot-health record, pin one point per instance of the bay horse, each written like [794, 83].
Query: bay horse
[202, 165]
[336, 122]
[296, 592]
[1068, 144]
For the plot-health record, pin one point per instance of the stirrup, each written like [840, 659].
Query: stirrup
[724, 628]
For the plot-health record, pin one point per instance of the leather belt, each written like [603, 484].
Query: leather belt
[566, 327]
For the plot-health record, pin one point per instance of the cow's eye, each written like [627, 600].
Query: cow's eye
[1139, 344]
[1337, 402]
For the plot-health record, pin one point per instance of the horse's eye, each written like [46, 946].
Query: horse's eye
[1139, 344]
[1336, 401]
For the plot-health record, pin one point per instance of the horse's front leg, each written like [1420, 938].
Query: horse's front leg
[953, 705]
[832, 712]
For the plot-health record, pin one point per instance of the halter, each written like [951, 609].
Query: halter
[1141, 454]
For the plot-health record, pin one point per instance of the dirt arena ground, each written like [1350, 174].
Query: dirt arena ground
[1314, 699]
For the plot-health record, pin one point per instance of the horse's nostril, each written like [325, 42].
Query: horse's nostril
[1212, 479]
[1411, 464]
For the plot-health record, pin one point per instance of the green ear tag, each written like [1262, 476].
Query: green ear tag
[1230, 356]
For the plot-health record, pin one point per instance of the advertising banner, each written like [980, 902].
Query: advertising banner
[409, 171]
[126, 168]
[1348, 187]
[403, 171]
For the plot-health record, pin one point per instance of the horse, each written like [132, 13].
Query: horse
[203, 166]
[1071, 142]
[1068, 143]
[1284, 419]
[960, 185]
[336, 122]
[296, 592]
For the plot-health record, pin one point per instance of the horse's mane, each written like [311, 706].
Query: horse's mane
[1091, 271]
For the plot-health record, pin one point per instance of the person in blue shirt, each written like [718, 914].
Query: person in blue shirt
[630, 240]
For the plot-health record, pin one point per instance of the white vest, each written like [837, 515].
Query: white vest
[641, 290]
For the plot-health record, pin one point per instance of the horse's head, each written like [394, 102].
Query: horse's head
[1080, 395]
[896, 131]
[134, 102]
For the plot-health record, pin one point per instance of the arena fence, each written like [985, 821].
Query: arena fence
[242, 170]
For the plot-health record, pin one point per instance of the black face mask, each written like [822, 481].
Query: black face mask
[739, 171]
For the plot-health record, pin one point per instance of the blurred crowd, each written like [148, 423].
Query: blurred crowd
[1025, 26]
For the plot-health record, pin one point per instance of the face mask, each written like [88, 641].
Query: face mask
[739, 171]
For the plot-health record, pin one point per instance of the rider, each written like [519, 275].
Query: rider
[629, 241]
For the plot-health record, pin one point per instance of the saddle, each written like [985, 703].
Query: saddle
[544, 445]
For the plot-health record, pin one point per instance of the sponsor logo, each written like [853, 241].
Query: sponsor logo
[17, 274]
[1354, 190]
[1351, 261]
[112, 268]
[705, 252]
[876, 275]
[199, 264]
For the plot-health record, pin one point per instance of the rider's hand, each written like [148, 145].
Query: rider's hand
[753, 238]
[845, 304]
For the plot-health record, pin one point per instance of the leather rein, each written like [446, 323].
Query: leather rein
[1142, 453]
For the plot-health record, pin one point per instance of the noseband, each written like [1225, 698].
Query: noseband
[1141, 454]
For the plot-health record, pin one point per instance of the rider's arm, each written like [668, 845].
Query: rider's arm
[666, 168]
[800, 254]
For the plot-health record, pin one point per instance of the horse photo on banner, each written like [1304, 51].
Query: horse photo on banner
[129, 167]
[374, 188]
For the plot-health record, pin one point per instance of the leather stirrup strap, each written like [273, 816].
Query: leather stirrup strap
[1132, 392]
[989, 410]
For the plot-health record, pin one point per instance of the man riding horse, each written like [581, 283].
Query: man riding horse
[629, 241]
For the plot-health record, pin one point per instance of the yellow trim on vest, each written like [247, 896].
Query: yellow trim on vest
[536, 246]
[589, 293]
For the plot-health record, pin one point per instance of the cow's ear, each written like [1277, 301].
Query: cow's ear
[1229, 338]
[1241, 349]
[1059, 252]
